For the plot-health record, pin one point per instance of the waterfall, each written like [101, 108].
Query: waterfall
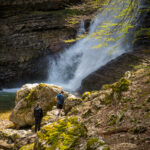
[69, 68]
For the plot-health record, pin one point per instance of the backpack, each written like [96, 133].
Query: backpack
[62, 97]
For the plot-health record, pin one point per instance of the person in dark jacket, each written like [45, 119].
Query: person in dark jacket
[38, 114]
[60, 102]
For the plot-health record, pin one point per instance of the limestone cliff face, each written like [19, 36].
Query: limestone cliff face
[29, 31]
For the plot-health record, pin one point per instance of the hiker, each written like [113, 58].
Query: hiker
[38, 114]
[60, 102]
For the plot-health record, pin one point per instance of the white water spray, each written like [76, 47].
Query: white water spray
[77, 62]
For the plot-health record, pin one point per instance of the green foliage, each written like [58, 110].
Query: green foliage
[113, 31]
[63, 134]
[27, 147]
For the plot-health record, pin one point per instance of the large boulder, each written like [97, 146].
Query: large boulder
[26, 98]
[29, 94]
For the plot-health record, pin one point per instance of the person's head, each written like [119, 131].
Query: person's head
[38, 103]
[62, 92]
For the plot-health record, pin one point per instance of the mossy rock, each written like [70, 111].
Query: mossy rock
[63, 134]
[121, 85]
[22, 114]
[93, 143]
[28, 147]
[71, 102]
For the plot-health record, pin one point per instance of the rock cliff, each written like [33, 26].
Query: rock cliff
[31, 30]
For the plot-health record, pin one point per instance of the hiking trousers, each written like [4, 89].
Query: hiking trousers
[37, 124]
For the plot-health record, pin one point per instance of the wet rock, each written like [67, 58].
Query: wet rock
[30, 31]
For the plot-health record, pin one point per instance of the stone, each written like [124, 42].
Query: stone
[5, 146]
[125, 146]
[26, 98]
[71, 102]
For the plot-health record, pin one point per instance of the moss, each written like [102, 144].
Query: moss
[85, 95]
[63, 134]
[106, 86]
[106, 148]
[41, 85]
[107, 100]
[45, 118]
[117, 88]
[94, 143]
[75, 99]
[111, 129]
[31, 97]
[121, 85]
[27, 147]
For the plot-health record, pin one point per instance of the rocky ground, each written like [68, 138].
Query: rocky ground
[115, 117]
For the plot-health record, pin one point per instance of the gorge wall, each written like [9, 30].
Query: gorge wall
[30, 30]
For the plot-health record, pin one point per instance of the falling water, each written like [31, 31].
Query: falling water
[77, 62]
